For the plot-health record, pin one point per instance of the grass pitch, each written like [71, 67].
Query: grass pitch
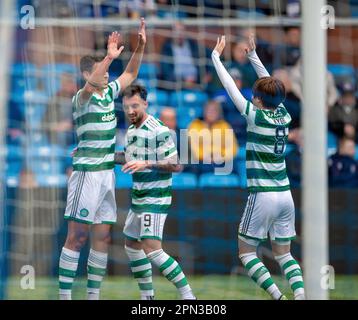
[208, 287]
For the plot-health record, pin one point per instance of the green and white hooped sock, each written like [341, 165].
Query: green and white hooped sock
[260, 274]
[142, 271]
[172, 271]
[293, 274]
[67, 272]
[96, 269]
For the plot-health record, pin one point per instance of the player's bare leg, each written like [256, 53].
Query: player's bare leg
[168, 267]
[141, 268]
[290, 267]
[77, 235]
[97, 259]
[256, 269]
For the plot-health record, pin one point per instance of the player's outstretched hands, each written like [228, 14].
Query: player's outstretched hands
[112, 46]
[142, 37]
[220, 45]
[251, 44]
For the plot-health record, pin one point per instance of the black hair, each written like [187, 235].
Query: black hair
[87, 62]
[134, 89]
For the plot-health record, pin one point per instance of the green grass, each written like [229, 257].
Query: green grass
[210, 287]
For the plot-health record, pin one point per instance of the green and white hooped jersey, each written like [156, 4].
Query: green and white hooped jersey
[151, 191]
[96, 130]
[267, 133]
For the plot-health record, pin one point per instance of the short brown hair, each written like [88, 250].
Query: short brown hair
[134, 89]
[87, 62]
[271, 91]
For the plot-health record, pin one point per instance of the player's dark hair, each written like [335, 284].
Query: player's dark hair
[270, 91]
[134, 89]
[87, 62]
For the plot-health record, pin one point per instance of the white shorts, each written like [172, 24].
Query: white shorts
[91, 197]
[268, 212]
[139, 226]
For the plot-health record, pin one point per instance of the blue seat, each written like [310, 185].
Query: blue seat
[157, 97]
[46, 166]
[57, 68]
[184, 180]
[53, 180]
[51, 76]
[154, 110]
[188, 98]
[186, 115]
[14, 152]
[149, 84]
[341, 70]
[13, 167]
[12, 181]
[240, 169]
[213, 180]
[52, 151]
[34, 114]
[36, 97]
[24, 77]
[331, 143]
[241, 153]
[147, 71]
[123, 180]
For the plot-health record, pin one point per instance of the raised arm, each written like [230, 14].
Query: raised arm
[132, 69]
[255, 60]
[225, 78]
[95, 81]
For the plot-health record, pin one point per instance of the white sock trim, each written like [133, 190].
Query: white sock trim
[71, 253]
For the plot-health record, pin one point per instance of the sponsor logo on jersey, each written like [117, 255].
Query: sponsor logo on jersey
[108, 117]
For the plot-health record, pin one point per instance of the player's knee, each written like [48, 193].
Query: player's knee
[107, 238]
[76, 240]
[150, 247]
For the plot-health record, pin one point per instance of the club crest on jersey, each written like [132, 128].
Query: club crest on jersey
[108, 117]
[84, 212]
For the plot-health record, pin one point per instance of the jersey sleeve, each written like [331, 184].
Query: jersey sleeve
[249, 112]
[165, 146]
[116, 88]
[257, 64]
[228, 82]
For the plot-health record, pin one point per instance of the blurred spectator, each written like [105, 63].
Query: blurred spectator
[343, 117]
[264, 49]
[233, 116]
[295, 75]
[294, 164]
[15, 131]
[168, 116]
[342, 167]
[212, 138]
[293, 8]
[179, 63]
[288, 53]
[135, 9]
[27, 179]
[292, 102]
[240, 61]
[57, 121]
